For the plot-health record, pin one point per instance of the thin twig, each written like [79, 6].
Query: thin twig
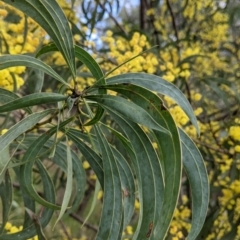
[209, 147]
[152, 20]
[112, 17]
[214, 137]
[19, 152]
[65, 230]
[73, 215]
[79, 219]
[173, 23]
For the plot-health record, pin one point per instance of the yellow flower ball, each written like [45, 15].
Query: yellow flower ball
[237, 148]
[8, 226]
[3, 131]
[3, 13]
[86, 165]
[197, 97]
[137, 205]
[100, 194]
[14, 229]
[129, 230]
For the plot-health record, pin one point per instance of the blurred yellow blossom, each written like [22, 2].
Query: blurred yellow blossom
[237, 148]
[100, 194]
[3, 131]
[234, 132]
[86, 165]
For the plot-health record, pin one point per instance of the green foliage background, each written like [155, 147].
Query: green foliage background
[113, 69]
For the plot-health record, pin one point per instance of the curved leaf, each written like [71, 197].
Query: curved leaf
[68, 190]
[128, 186]
[112, 215]
[6, 199]
[81, 55]
[39, 80]
[4, 160]
[8, 96]
[92, 157]
[93, 203]
[38, 227]
[128, 109]
[50, 47]
[149, 176]
[60, 160]
[96, 118]
[157, 84]
[29, 158]
[28, 61]
[198, 179]
[50, 16]
[32, 100]
[20, 128]
[126, 175]
[30, 230]
[90, 63]
[78, 171]
[97, 73]
[169, 148]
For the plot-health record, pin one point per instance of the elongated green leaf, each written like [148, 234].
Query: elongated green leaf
[198, 179]
[4, 160]
[128, 186]
[81, 55]
[82, 135]
[126, 174]
[20, 128]
[6, 199]
[28, 61]
[96, 118]
[170, 150]
[38, 82]
[48, 187]
[157, 84]
[29, 229]
[92, 157]
[25, 32]
[28, 202]
[149, 176]
[78, 171]
[128, 109]
[68, 190]
[29, 158]
[32, 192]
[50, 16]
[96, 71]
[91, 64]
[50, 47]
[94, 202]
[111, 217]
[127, 179]
[60, 160]
[168, 146]
[32, 100]
[8, 96]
